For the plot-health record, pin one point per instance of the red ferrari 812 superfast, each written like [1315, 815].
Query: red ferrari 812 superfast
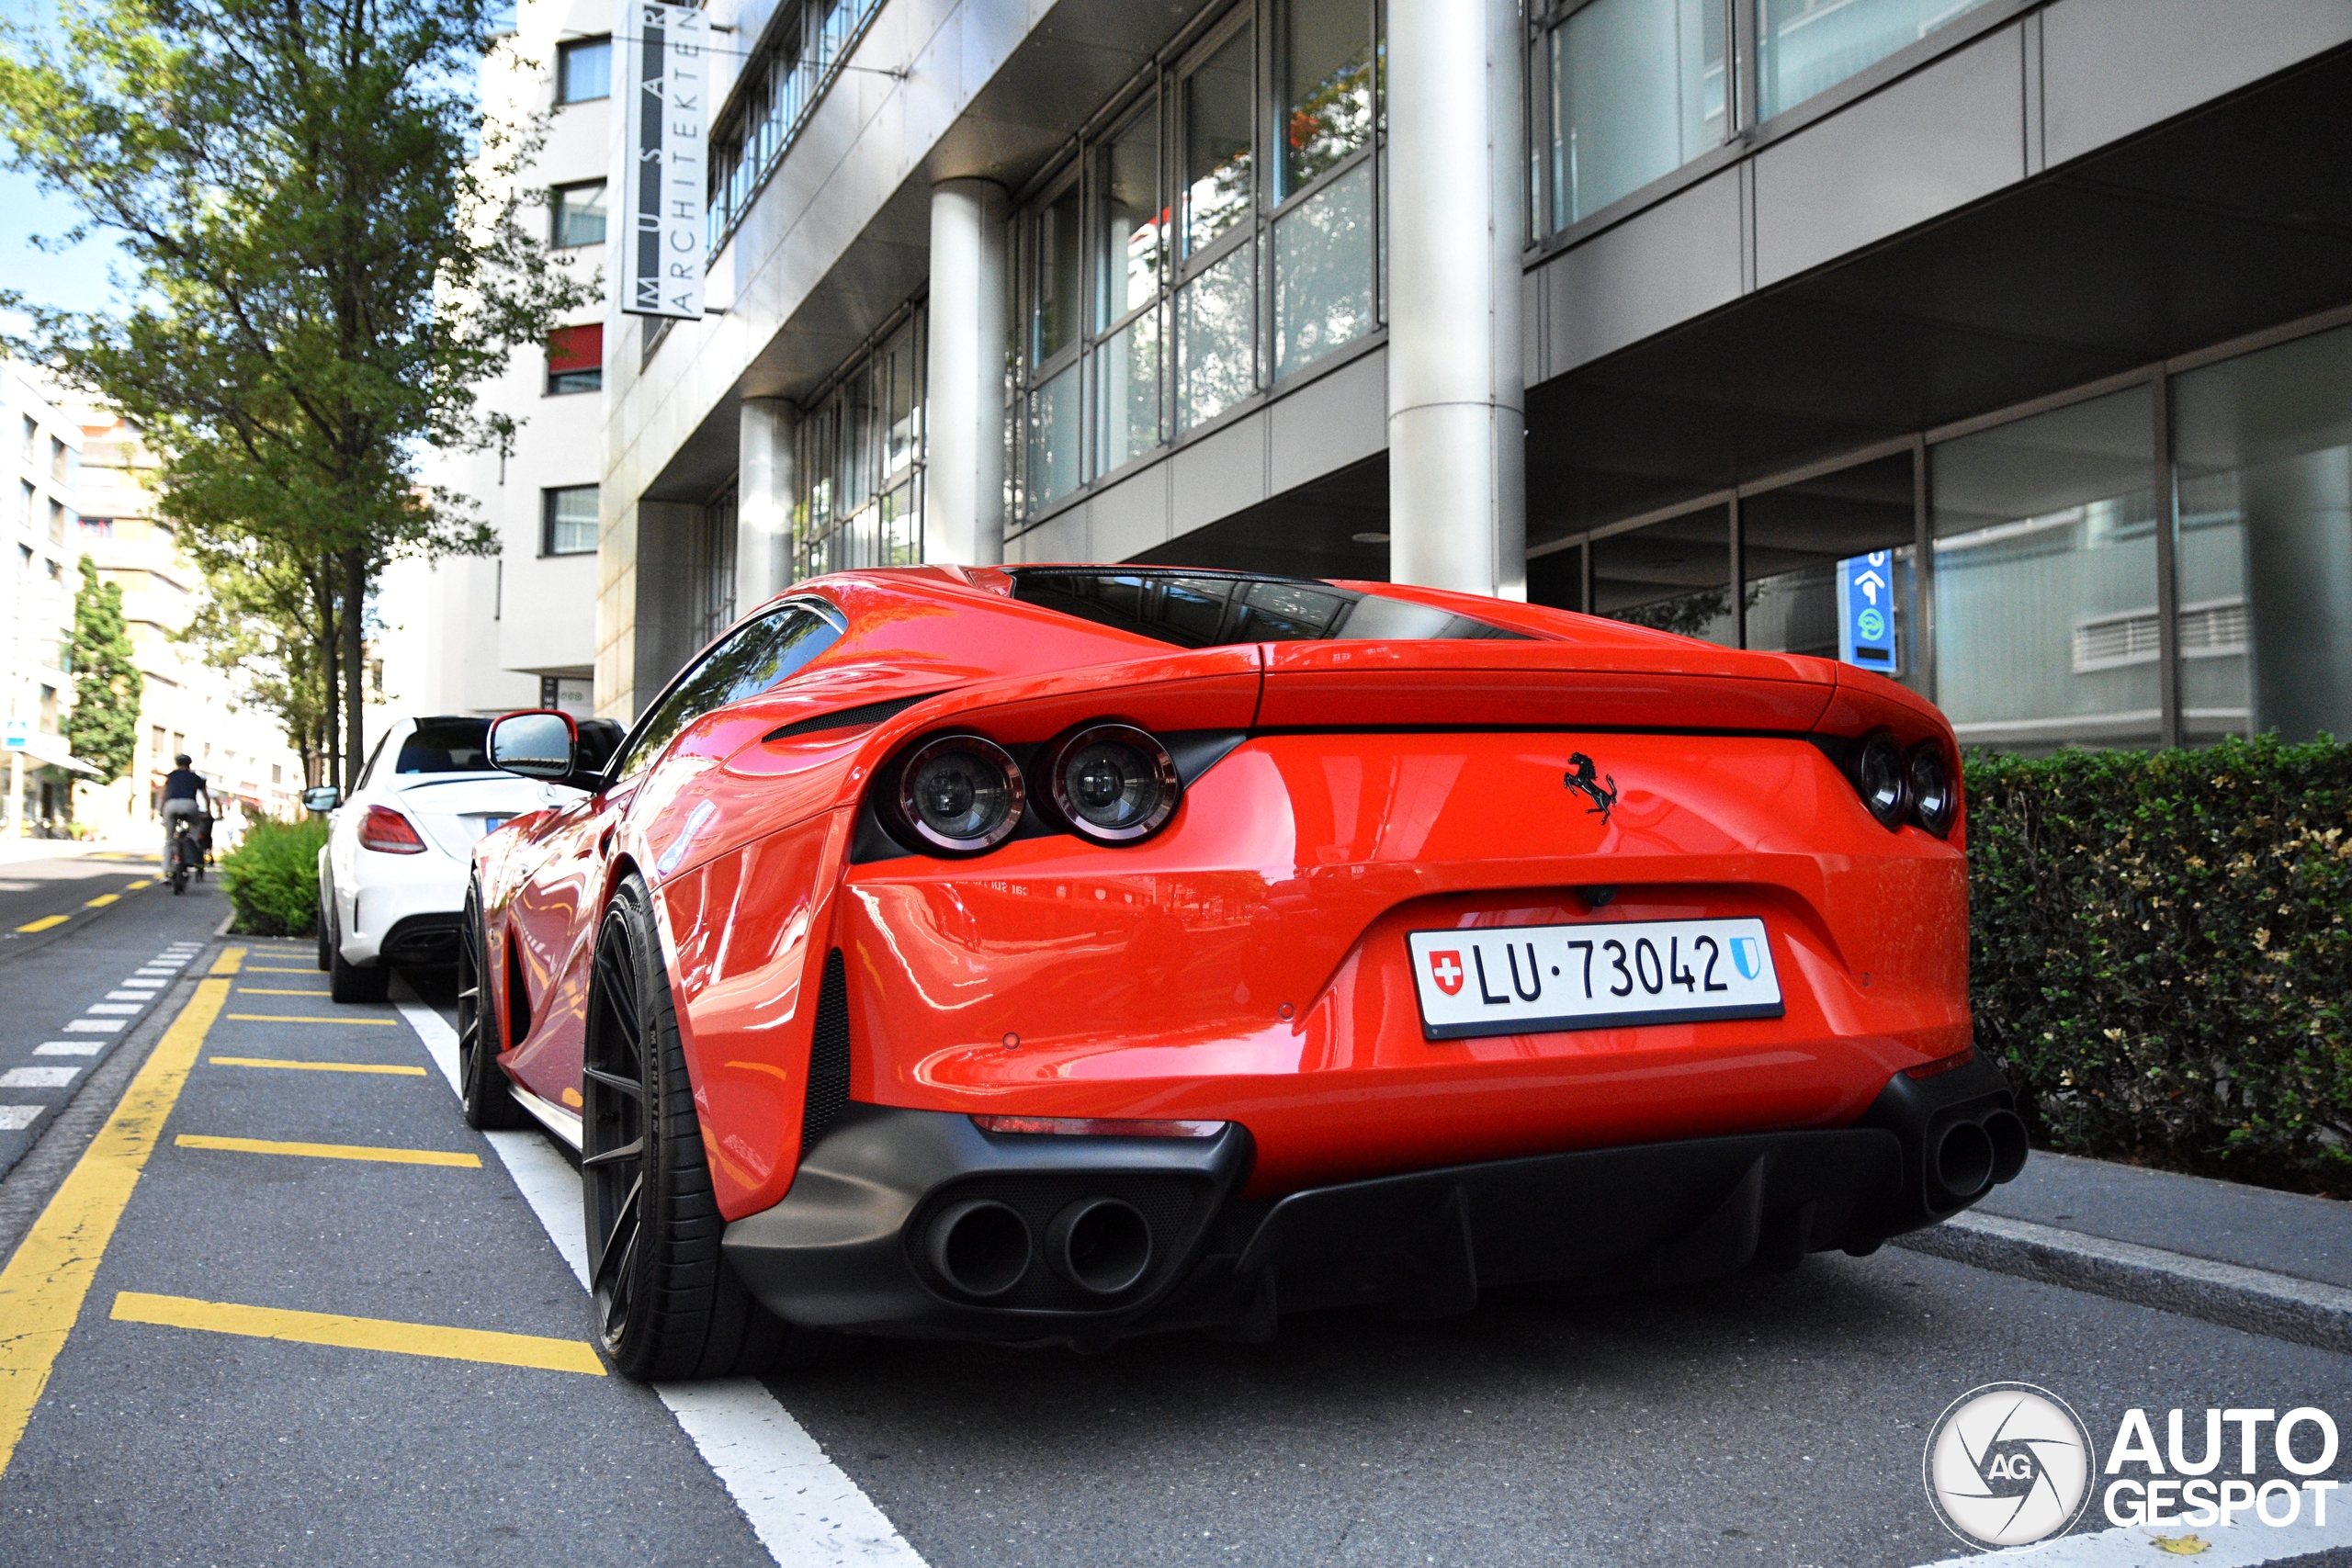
[1057, 954]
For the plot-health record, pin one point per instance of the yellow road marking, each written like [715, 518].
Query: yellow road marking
[360, 1333]
[45, 923]
[102, 900]
[135, 886]
[43, 1288]
[309, 1018]
[312, 1066]
[267, 969]
[266, 991]
[327, 1151]
[229, 961]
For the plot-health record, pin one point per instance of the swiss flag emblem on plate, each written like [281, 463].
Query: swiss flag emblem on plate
[1445, 969]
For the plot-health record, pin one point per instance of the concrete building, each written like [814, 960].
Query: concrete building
[1679, 311]
[517, 629]
[40, 486]
[186, 706]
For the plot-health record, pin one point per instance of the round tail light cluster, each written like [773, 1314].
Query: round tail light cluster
[1112, 783]
[1897, 786]
[964, 795]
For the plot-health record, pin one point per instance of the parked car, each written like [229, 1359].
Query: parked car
[1062, 953]
[392, 877]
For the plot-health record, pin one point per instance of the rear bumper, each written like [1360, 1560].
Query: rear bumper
[852, 1245]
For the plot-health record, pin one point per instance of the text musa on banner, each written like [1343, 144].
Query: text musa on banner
[665, 70]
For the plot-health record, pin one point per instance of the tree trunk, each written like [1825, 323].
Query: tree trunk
[354, 596]
[330, 752]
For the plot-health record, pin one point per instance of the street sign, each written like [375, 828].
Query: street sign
[1866, 612]
[19, 735]
[665, 91]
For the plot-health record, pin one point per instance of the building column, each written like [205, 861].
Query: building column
[764, 493]
[1456, 208]
[964, 421]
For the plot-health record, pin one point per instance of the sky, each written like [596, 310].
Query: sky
[76, 279]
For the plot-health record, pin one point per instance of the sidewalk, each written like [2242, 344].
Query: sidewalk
[2276, 1263]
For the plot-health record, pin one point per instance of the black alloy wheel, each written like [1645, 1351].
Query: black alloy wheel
[667, 1303]
[481, 1085]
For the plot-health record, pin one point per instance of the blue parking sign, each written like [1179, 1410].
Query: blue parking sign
[1866, 612]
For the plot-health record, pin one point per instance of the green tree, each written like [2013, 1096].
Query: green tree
[104, 729]
[329, 253]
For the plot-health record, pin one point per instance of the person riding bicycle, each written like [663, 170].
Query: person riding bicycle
[183, 788]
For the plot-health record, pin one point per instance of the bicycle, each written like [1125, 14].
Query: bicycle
[186, 852]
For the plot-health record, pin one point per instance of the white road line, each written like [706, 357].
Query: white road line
[804, 1508]
[94, 1026]
[17, 1118]
[37, 1078]
[68, 1048]
[2243, 1545]
[142, 997]
[113, 1010]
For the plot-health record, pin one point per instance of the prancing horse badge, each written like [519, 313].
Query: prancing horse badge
[1584, 778]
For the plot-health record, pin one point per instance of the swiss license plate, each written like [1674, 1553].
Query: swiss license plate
[1530, 979]
[489, 824]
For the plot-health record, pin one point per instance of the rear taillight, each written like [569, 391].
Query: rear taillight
[387, 831]
[1112, 783]
[1935, 802]
[1880, 779]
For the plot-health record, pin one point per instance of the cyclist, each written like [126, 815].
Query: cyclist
[183, 788]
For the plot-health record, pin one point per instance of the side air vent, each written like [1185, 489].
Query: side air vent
[519, 999]
[828, 1055]
[864, 717]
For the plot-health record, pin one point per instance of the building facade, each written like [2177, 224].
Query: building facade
[517, 629]
[186, 704]
[40, 486]
[1704, 314]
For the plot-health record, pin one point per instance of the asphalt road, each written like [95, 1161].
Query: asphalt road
[1762, 1420]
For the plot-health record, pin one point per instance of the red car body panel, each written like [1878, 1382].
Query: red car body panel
[1248, 964]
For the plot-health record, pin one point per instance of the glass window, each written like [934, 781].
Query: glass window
[2263, 450]
[1055, 306]
[583, 69]
[1325, 82]
[1216, 338]
[1126, 381]
[1804, 47]
[1796, 541]
[570, 521]
[1219, 169]
[1053, 439]
[576, 359]
[1637, 91]
[1133, 218]
[1207, 611]
[441, 745]
[579, 214]
[754, 658]
[1323, 272]
[2045, 579]
[1673, 576]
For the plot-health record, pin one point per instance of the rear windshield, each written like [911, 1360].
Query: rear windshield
[1210, 609]
[445, 746]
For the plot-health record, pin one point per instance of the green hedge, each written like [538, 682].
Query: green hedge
[273, 877]
[2160, 955]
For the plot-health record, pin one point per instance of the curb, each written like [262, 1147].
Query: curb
[2278, 1305]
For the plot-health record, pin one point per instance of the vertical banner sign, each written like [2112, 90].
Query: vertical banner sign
[1866, 612]
[665, 80]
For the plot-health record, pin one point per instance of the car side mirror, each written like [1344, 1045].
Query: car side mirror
[538, 743]
[321, 799]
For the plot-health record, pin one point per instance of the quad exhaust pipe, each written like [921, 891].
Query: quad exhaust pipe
[983, 1249]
